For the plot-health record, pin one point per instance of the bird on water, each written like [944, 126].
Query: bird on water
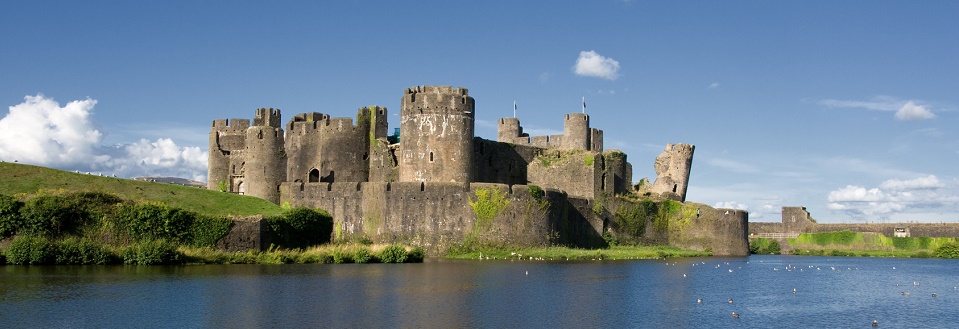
[735, 315]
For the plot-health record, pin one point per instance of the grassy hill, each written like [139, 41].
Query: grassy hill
[26, 179]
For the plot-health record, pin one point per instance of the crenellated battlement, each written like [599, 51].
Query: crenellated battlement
[269, 117]
[231, 124]
[577, 135]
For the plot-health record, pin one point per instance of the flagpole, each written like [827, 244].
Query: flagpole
[584, 104]
[514, 109]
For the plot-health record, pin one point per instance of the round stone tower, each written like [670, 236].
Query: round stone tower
[576, 131]
[436, 134]
[265, 157]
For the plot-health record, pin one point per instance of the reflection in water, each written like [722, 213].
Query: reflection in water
[830, 292]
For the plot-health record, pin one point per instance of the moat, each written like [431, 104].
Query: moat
[833, 292]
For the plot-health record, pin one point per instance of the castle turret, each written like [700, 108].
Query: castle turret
[265, 166]
[576, 132]
[672, 171]
[508, 130]
[436, 134]
[227, 142]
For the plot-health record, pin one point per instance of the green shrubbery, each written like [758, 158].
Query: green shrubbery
[152, 252]
[948, 250]
[764, 246]
[30, 250]
[9, 216]
[393, 254]
[300, 227]
[82, 251]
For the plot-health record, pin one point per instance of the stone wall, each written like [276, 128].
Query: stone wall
[578, 173]
[798, 220]
[495, 162]
[246, 233]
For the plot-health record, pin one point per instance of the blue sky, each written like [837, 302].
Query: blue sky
[848, 108]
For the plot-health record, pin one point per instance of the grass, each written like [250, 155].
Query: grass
[19, 179]
[565, 253]
[322, 254]
[847, 243]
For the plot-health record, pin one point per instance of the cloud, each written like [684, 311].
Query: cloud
[592, 64]
[544, 77]
[905, 110]
[731, 205]
[714, 85]
[911, 111]
[891, 197]
[39, 131]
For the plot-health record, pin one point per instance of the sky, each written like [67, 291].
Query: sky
[847, 108]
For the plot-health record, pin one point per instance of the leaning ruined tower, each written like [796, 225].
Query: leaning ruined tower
[672, 171]
[436, 134]
[265, 157]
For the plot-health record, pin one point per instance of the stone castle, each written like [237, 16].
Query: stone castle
[422, 185]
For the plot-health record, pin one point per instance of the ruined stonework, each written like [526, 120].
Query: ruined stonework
[672, 171]
[426, 187]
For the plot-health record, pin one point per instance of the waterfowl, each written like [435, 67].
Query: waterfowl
[735, 315]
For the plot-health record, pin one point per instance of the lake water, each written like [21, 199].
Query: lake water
[831, 292]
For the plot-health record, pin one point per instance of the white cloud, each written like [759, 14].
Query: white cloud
[39, 131]
[714, 85]
[592, 64]
[892, 197]
[911, 111]
[905, 110]
[731, 205]
[928, 182]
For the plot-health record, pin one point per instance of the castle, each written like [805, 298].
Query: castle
[422, 185]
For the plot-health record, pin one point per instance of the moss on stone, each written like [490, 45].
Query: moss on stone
[489, 203]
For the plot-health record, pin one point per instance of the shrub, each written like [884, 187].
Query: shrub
[9, 215]
[340, 256]
[764, 246]
[393, 254]
[362, 255]
[30, 250]
[948, 250]
[416, 255]
[50, 215]
[153, 252]
[74, 251]
[300, 227]
[206, 231]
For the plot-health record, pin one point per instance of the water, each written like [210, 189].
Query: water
[831, 292]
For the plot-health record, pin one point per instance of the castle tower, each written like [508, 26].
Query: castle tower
[436, 134]
[576, 132]
[265, 166]
[672, 171]
[508, 130]
[227, 142]
[322, 149]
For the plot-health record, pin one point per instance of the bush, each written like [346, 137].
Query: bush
[154, 252]
[30, 250]
[340, 256]
[75, 251]
[9, 216]
[362, 255]
[393, 254]
[206, 231]
[54, 215]
[948, 250]
[300, 227]
[416, 255]
[764, 246]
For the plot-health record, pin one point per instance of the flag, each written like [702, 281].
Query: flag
[584, 104]
[514, 109]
